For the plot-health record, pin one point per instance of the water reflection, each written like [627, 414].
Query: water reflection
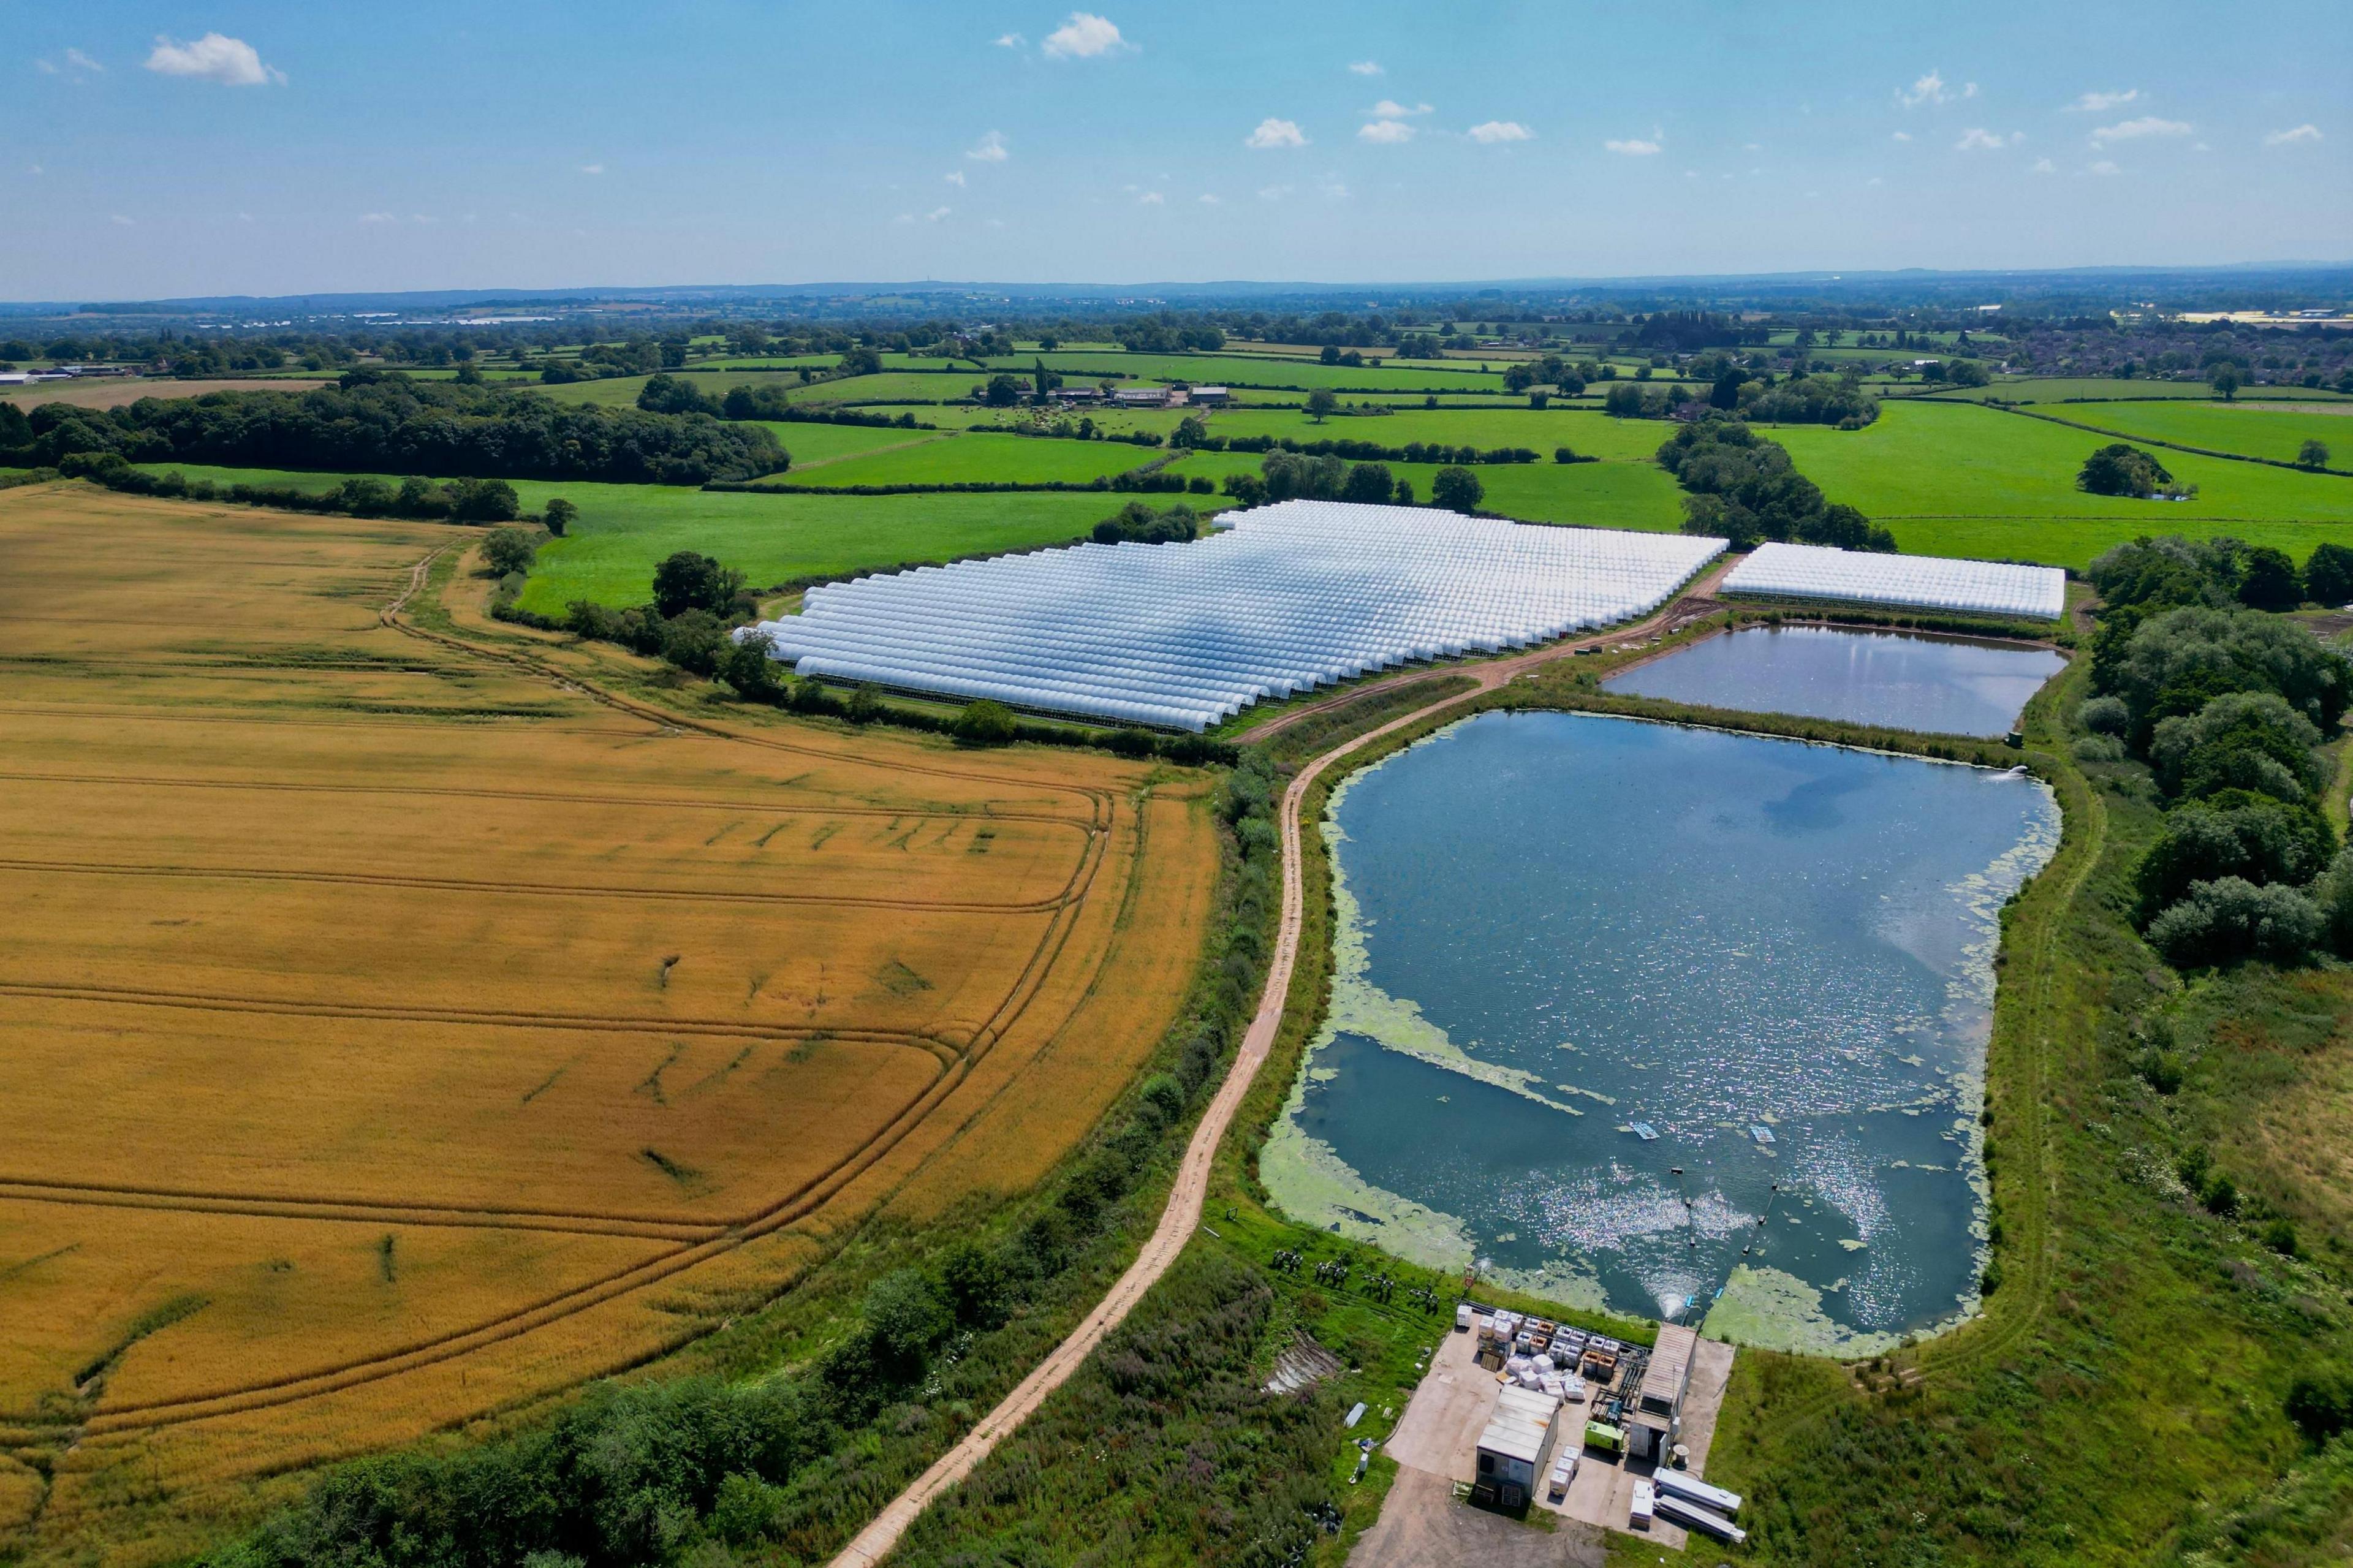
[1941, 685]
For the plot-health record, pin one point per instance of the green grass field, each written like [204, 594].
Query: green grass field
[811, 443]
[2253, 429]
[889, 386]
[964, 459]
[624, 530]
[1578, 427]
[1258, 369]
[1965, 480]
[2063, 388]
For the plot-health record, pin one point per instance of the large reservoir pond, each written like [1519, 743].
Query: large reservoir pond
[1939, 684]
[1557, 932]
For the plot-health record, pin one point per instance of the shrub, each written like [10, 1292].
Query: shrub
[2105, 716]
[559, 516]
[2234, 834]
[985, 723]
[2321, 1403]
[688, 581]
[2245, 741]
[2225, 922]
[510, 549]
[1457, 490]
[2269, 581]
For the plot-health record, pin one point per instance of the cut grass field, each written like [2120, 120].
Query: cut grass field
[2136, 389]
[978, 457]
[624, 530]
[1256, 371]
[426, 1016]
[119, 392]
[1959, 479]
[2251, 428]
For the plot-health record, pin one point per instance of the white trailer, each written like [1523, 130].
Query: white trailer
[1690, 1516]
[1691, 1489]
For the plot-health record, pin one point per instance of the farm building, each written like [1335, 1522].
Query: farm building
[1654, 1415]
[1077, 395]
[1211, 397]
[1141, 397]
[1514, 1446]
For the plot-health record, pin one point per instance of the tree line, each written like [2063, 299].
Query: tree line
[379, 421]
[1743, 487]
[2228, 704]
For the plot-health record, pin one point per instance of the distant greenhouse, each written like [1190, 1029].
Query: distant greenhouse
[1922, 581]
[1289, 597]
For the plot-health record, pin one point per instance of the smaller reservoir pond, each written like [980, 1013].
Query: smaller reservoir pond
[1936, 685]
[1560, 932]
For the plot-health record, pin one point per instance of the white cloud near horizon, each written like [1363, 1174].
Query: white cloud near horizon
[2307, 132]
[953, 177]
[1386, 133]
[989, 149]
[2101, 102]
[1273, 132]
[1932, 89]
[1637, 146]
[1085, 36]
[1366, 68]
[2042, 166]
[1904, 136]
[232, 62]
[1494, 131]
[1977, 139]
[1151, 199]
[2135, 130]
[1011, 40]
[592, 168]
[1390, 109]
[2104, 168]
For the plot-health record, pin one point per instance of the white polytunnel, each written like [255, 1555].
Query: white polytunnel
[1925, 582]
[1286, 598]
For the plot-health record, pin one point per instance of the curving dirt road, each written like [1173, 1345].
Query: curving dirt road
[1183, 1212]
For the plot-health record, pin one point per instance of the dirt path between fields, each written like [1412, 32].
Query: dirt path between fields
[1183, 1212]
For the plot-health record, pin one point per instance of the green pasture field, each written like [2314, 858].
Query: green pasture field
[623, 531]
[1590, 495]
[1120, 421]
[1964, 480]
[1217, 369]
[889, 386]
[769, 362]
[2136, 389]
[621, 392]
[1578, 425]
[2254, 429]
[965, 459]
[813, 445]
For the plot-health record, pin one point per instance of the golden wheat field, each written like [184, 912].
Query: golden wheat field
[403, 1017]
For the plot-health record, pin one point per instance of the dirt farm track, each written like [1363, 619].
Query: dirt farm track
[404, 1022]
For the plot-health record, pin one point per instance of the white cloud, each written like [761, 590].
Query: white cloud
[421, 218]
[377, 217]
[1977, 139]
[1752, 147]
[33, 168]
[1493, 131]
[1273, 132]
[1874, 180]
[1011, 40]
[2104, 168]
[1211, 199]
[1933, 89]
[1366, 68]
[1636, 147]
[2304, 133]
[80, 61]
[1388, 131]
[123, 221]
[1083, 38]
[954, 176]
[1904, 136]
[592, 168]
[989, 149]
[2101, 102]
[1333, 188]
[904, 218]
[2200, 147]
[2043, 166]
[936, 213]
[245, 217]
[1272, 193]
[232, 62]
[1390, 109]
[46, 67]
[996, 223]
[1151, 199]
[2134, 129]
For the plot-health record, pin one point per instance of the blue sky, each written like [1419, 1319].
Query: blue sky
[276, 148]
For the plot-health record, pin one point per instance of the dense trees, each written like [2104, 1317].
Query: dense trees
[1743, 487]
[373, 421]
[1457, 490]
[2118, 469]
[688, 581]
[1137, 524]
[509, 549]
[2313, 454]
[1809, 400]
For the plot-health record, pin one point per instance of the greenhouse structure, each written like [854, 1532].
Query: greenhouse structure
[1182, 635]
[1922, 581]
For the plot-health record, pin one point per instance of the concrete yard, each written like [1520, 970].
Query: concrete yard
[1435, 1446]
